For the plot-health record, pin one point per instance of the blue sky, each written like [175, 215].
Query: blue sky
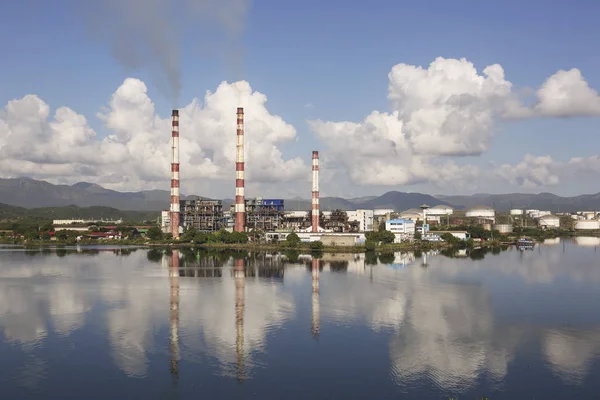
[333, 54]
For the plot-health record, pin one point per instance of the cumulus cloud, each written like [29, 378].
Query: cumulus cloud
[449, 109]
[567, 94]
[135, 154]
[377, 152]
[531, 172]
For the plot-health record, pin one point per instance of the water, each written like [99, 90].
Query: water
[99, 323]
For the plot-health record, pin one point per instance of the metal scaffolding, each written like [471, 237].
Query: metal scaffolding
[203, 214]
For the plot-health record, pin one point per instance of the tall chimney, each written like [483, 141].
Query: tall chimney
[240, 209]
[315, 191]
[174, 216]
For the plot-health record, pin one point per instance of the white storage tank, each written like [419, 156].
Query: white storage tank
[481, 212]
[587, 225]
[587, 241]
[516, 211]
[549, 221]
[440, 210]
[503, 228]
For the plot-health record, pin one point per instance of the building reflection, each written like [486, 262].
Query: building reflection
[240, 297]
[315, 297]
[174, 313]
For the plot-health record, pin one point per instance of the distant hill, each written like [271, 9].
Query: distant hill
[30, 193]
[541, 201]
[68, 212]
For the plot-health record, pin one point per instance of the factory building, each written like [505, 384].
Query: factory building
[263, 214]
[364, 219]
[205, 215]
[296, 220]
[403, 229]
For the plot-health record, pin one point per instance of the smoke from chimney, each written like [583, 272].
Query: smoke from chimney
[174, 215]
[240, 209]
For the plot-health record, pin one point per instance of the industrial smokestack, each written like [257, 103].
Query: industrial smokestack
[240, 209]
[315, 191]
[174, 215]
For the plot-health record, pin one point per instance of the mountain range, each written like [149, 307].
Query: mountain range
[30, 193]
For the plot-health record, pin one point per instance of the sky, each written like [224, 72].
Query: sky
[431, 96]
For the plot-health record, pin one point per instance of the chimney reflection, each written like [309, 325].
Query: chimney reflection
[174, 313]
[315, 297]
[240, 277]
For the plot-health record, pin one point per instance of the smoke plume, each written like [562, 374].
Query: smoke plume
[149, 33]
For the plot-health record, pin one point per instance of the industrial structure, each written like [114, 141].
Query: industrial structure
[239, 174]
[315, 191]
[205, 215]
[175, 210]
[264, 214]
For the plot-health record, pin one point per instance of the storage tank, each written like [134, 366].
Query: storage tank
[503, 228]
[587, 241]
[587, 225]
[486, 227]
[516, 211]
[440, 210]
[481, 212]
[549, 221]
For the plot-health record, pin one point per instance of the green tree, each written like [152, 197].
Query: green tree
[154, 233]
[189, 234]
[418, 235]
[386, 236]
[450, 238]
[317, 245]
[45, 236]
[292, 240]
[370, 245]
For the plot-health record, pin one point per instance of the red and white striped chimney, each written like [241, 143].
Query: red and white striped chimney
[315, 191]
[174, 215]
[240, 209]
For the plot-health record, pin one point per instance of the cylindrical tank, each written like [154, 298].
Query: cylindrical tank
[587, 241]
[516, 211]
[503, 228]
[486, 227]
[481, 212]
[587, 225]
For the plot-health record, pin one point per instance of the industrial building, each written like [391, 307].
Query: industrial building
[482, 213]
[364, 219]
[403, 229]
[263, 214]
[205, 215]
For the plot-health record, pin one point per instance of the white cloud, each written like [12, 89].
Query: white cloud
[567, 94]
[448, 110]
[136, 153]
[376, 152]
[532, 172]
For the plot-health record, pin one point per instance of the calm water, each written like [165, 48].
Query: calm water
[99, 323]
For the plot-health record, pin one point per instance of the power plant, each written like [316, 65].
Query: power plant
[254, 214]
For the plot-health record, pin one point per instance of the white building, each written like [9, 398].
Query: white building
[403, 229]
[363, 217]
[549, 221]
[165, 221]
[462, 235]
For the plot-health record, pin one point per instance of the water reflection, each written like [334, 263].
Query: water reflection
[438, 322]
